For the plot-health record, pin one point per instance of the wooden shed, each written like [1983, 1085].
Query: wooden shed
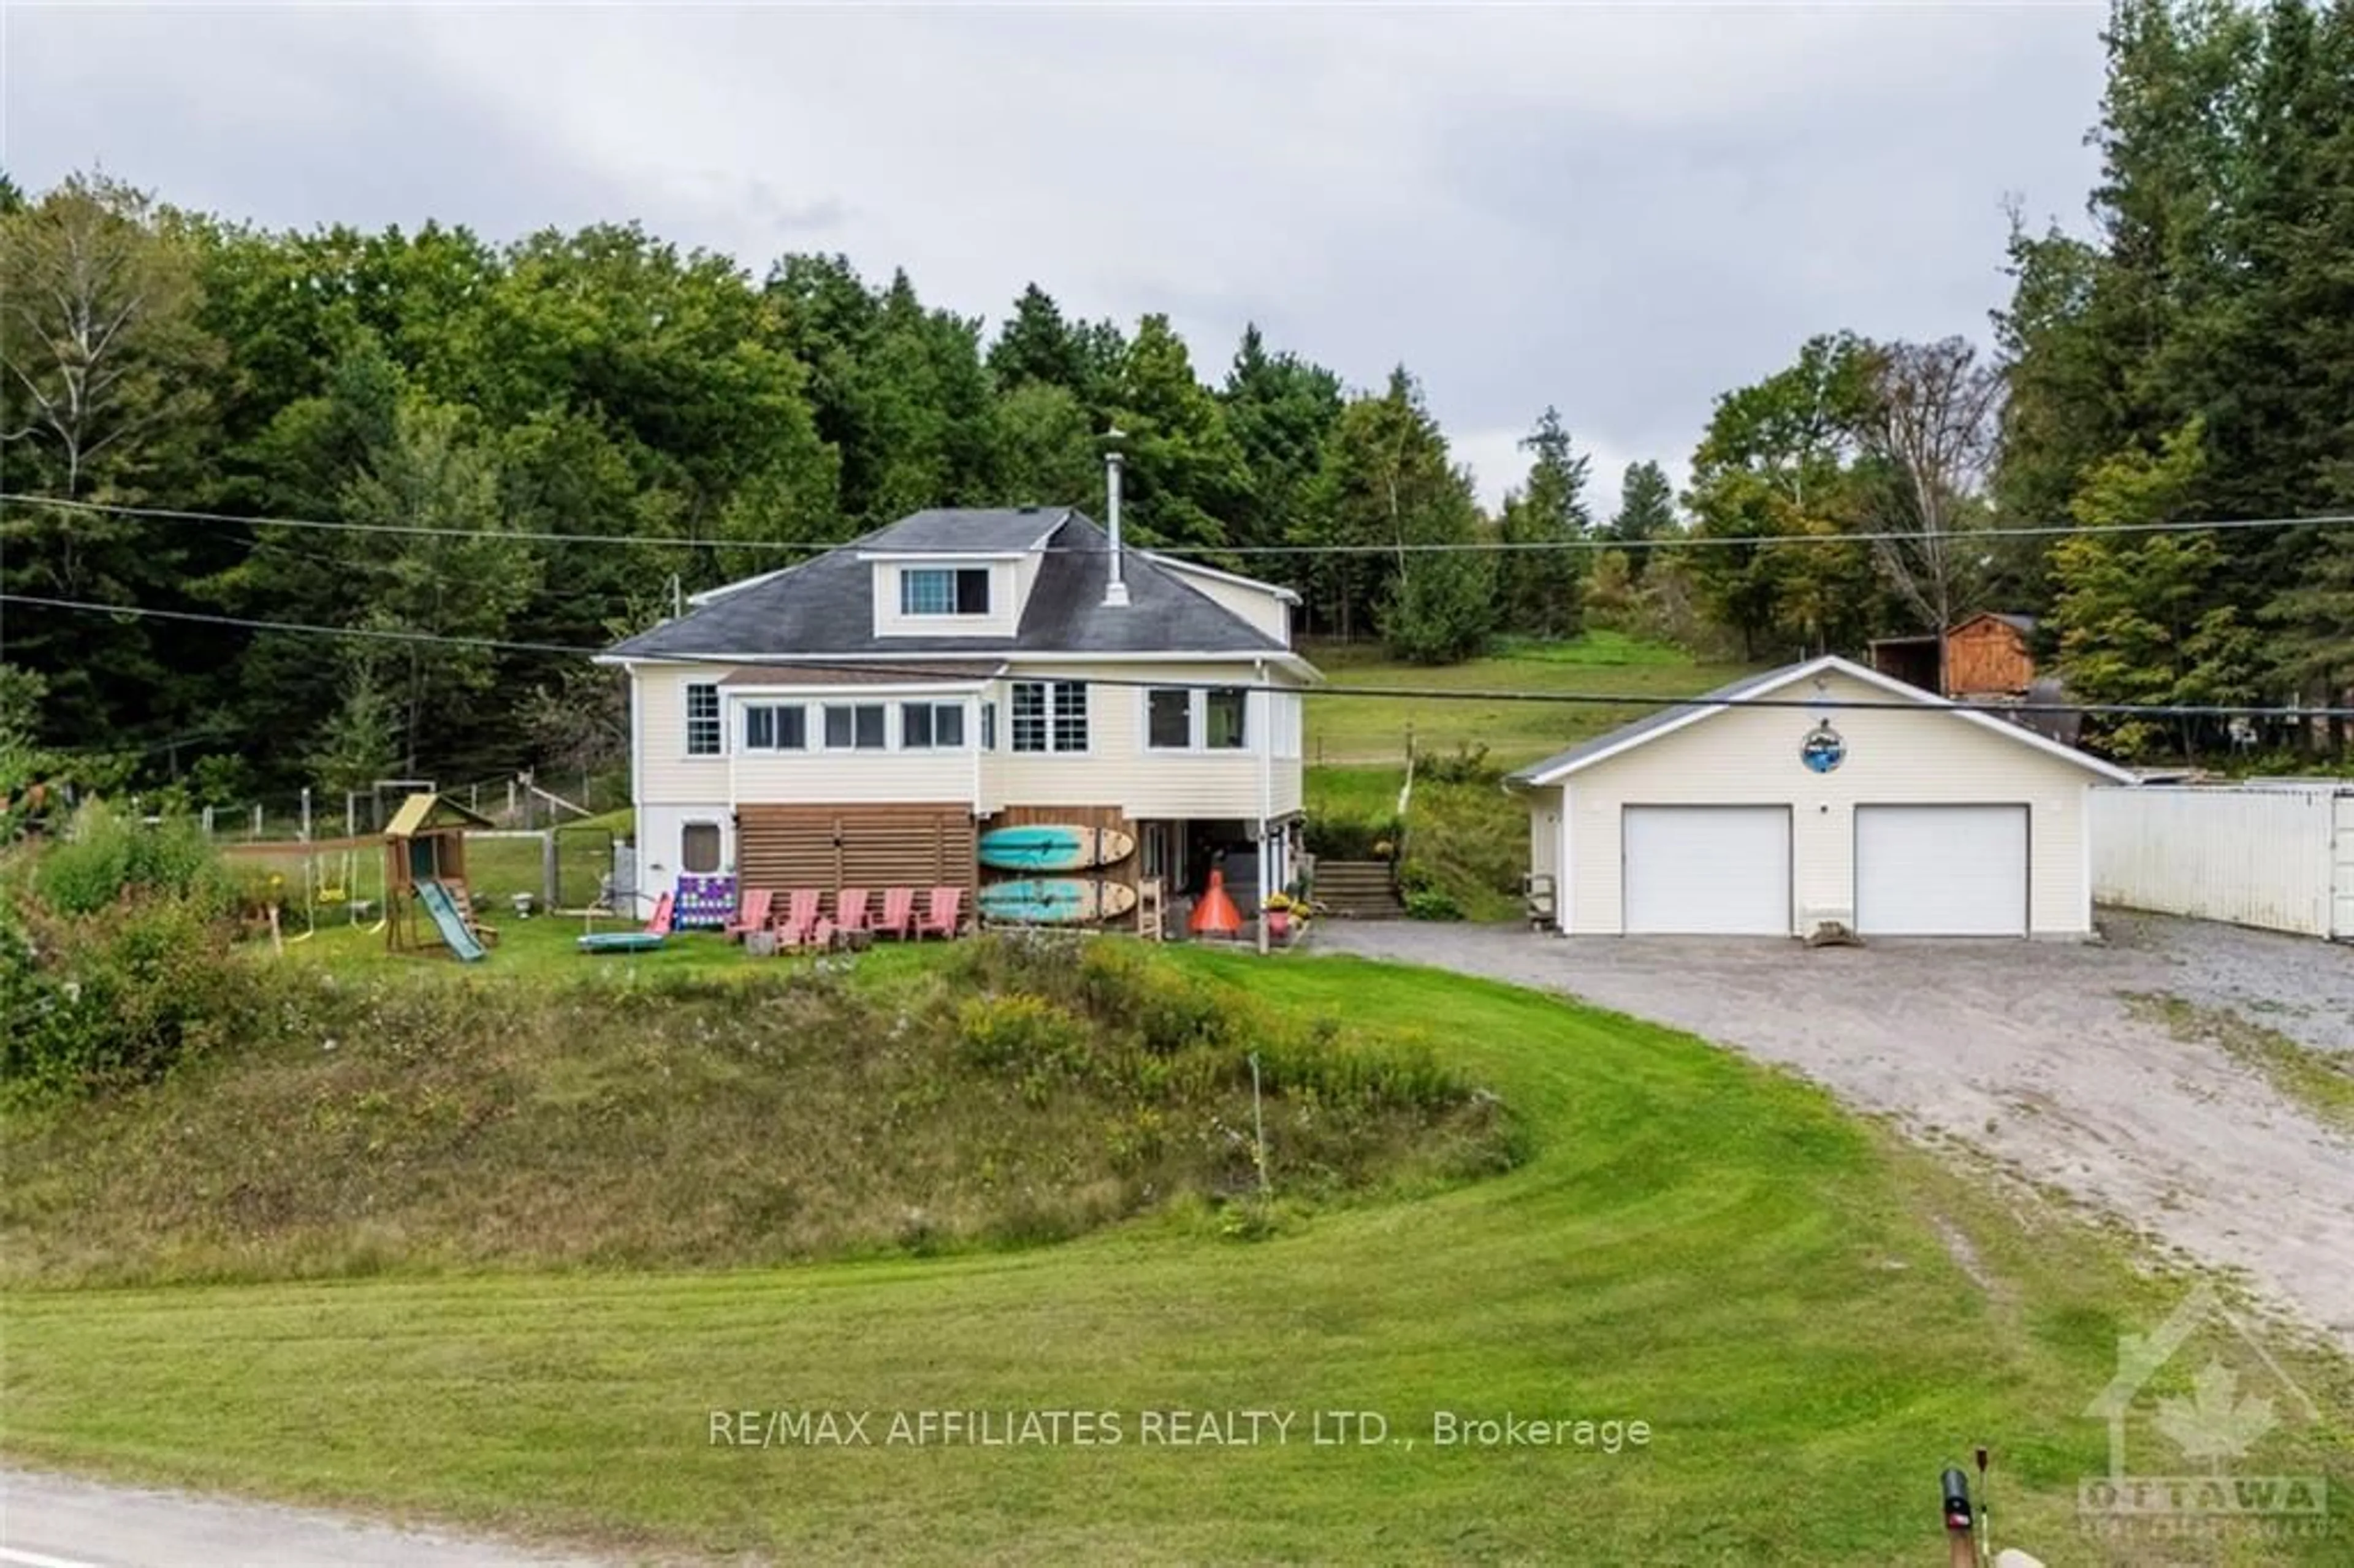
[1986, 655]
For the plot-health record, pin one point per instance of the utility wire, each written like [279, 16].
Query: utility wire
[1473, 546]
[958, 668]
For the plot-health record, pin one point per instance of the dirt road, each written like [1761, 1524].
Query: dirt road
[2026, 1050]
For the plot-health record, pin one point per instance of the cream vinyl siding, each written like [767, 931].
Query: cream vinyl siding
[1750, 757]
[1544, 834]
[1264, 609]
[665, 772]
[1117, 770]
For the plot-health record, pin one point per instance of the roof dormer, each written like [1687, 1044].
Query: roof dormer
[931, 593]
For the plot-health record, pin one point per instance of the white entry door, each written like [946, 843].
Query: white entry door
[1940, 871]
[1707, 870]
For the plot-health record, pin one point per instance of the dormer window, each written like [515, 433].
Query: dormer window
[944, 590]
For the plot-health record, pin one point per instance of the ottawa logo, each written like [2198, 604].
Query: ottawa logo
[2214, 1422]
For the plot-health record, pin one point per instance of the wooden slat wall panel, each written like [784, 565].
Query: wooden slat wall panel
[833, 847]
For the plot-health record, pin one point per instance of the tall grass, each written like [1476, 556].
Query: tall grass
[1004, 1093]
[104, 855]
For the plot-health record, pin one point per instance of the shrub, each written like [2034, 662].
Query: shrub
[1017, 1033]
[1432, 904]
[1349, 838]
[104, 855]
[1466, 764]
[119, 996]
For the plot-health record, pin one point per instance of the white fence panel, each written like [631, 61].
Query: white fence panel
[2277, 857]
[2342, 863]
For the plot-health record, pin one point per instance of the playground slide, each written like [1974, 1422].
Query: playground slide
[444, 910]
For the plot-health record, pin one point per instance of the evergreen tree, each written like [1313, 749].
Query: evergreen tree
[1184, 475]
[1385, 480]
[1647, 510]
[2145, 619]
[1279, 408]
[1546, 523]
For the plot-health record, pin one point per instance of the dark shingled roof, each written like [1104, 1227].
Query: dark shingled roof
[1650, 722]
[953, 529]
[826, 605]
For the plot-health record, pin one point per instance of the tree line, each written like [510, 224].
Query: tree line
[451, 403]
[448, 403]
[2190, 357]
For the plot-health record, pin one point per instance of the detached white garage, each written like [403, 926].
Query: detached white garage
[1837, 794]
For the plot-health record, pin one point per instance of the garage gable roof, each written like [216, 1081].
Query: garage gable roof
[1692, 710]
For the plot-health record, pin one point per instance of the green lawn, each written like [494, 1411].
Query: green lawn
[1372, 729]
[1698, 1244]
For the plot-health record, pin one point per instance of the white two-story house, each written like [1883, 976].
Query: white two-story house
[862, 718]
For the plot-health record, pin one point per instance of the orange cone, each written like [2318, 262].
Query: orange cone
[1215, 915]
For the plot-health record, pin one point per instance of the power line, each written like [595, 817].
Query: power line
[959, 670]
[1991, 534]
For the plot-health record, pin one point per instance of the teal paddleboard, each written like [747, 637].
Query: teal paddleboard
[1056, 901]
[1054, 846]
[620, 942]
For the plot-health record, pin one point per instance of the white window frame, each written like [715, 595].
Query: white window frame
[934, 707]
[1197, 721]
[955, 576]
[776, 747]
[825, 736]
[1242, 735]
[716, 719]
[1144, 720]
[1051, 696]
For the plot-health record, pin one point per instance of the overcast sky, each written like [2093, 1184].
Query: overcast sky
[1620, 210]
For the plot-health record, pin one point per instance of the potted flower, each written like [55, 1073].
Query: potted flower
[1278, 908]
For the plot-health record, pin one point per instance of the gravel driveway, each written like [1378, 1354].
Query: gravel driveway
[2027, 1050]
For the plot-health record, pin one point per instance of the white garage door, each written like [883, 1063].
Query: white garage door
[1707, 870]
[1940, 871]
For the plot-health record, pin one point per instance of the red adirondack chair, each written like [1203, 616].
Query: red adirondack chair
[752, 913]
[944, 915]
[898, 915]
[849, 909]
[798, 924]
[658, 923]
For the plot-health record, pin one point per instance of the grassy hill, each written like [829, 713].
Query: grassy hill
[1810, 1318]
[710, 1113]
[1466, 838]
[1343, 731]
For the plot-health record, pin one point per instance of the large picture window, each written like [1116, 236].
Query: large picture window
[1050, 716]
[944, 590]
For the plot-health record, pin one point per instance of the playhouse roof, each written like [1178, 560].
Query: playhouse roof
[421, 813]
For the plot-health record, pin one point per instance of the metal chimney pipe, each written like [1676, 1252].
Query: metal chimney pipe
[1116, 591]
